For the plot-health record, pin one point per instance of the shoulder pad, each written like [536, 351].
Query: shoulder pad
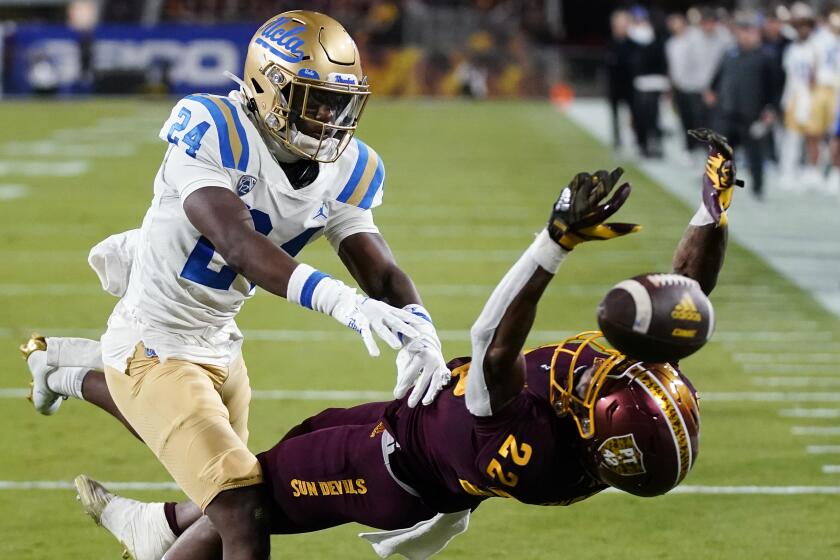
[364, 185]
[209, 127]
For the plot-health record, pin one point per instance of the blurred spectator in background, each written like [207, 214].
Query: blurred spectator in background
[711, 40]
[741, 96]
[619, 74]
[774, 43]
[650, 79]
[686, 88]
[800, 69]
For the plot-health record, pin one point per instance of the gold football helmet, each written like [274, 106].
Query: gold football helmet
[304, 79]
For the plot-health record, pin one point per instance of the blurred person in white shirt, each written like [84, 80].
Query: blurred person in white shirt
[687, 89]
[800, 64]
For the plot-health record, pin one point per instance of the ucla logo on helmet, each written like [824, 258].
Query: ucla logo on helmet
[309, 74]
[284, 43]
[246, 183]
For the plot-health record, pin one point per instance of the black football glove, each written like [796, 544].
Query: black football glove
[719, 179]
[579, 213]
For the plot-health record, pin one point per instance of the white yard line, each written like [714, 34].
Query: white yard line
[831, 469]
[797, 381]
[790, 357]
[792, 368]
[13, 191]
[339, 335]
[340, 395]
[810, 412]
[46, 168]
[815, 430]
[686, 489]
[823, 449]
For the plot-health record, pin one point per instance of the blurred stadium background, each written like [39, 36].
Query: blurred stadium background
[482, 109]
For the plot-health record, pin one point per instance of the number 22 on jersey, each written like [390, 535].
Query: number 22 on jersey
[519, 454]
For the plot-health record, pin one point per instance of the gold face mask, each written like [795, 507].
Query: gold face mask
[306, 82]
[579, 401]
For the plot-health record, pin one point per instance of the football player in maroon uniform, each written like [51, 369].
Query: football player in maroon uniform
[550, 426]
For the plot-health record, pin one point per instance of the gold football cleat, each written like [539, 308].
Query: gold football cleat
[36, 342]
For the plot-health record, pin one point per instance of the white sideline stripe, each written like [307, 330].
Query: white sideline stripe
[831, 469]
[815, 430]
[822, 449]
[797, 381]
[158, 486]
[810, 412]
[339, 395]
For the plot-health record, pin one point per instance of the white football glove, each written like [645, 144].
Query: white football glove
[367, 316]
[420, 363]
[315, 290]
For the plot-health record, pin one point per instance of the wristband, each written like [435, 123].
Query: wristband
[701, 217]
[547, 253]
[313, 289]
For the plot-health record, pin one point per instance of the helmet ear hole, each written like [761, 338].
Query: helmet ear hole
[257, 87]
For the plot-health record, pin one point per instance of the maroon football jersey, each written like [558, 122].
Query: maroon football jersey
[456, 460]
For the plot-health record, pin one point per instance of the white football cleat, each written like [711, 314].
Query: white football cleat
[140, 527]
[45, 400]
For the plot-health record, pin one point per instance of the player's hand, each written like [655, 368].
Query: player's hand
[367, 316]
[420, 363]
[719, 179]
[579, 213]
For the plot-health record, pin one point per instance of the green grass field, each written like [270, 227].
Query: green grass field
[467, 185]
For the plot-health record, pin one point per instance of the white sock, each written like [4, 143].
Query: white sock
[70, 351]
[141, 527]
[67, 381]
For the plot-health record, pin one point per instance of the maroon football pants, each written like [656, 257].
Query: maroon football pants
[329, 470]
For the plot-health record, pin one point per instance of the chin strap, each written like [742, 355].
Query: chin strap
[246, 90]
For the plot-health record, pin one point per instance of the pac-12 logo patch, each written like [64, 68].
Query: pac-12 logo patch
[621, 455]
[246, 183]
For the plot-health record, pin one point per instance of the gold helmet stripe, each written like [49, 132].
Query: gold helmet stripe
[673, 416]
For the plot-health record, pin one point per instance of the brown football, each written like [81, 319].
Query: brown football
[657, 317]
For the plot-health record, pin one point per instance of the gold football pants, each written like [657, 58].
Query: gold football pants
[193, 417]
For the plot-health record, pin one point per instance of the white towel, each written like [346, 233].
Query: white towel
[111, 260]
[422, 541]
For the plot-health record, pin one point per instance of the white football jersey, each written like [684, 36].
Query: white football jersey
[799, 62]
[827, 54]
[182, 297]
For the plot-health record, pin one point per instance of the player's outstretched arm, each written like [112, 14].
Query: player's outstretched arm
[701, 250]
[497, 372]
[225, 220]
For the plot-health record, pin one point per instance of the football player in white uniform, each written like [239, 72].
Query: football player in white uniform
[246, 182]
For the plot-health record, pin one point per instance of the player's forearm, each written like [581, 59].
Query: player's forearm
[260, 261]
[499, 333]
[395, 288]
[700, 254]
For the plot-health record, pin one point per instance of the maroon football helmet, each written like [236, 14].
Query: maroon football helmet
[640, 421]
